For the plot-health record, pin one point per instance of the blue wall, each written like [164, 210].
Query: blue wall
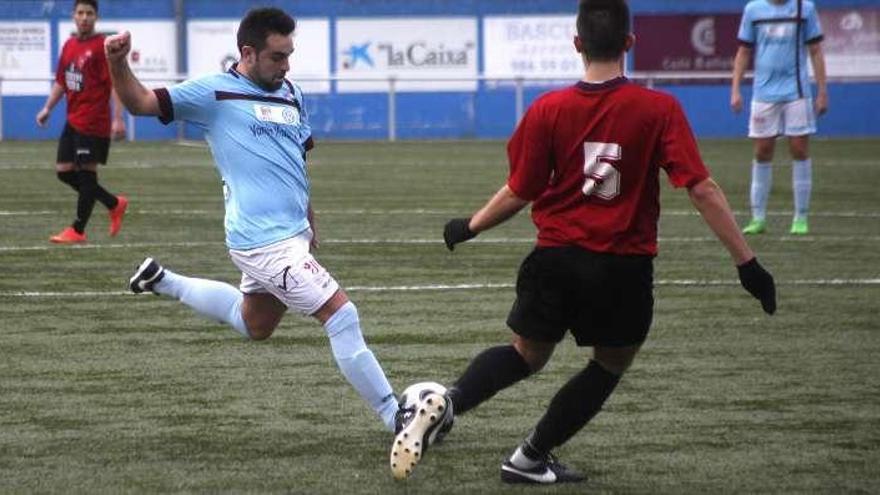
[484, 114]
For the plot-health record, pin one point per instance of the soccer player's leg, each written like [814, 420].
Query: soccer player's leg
[573, 406]
[91, 190]
[88, 187]
[262, 312]
[358, 364]
[65, 170]
[800, 123]
[539, 319]
[67, 174]
[89, 151]
[287, 270]
[615, 312]
[499, 367]
[765, 125]
[116, 204]
[213, 299]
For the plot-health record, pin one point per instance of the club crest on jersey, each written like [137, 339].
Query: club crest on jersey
[277, 114]
[779, 31]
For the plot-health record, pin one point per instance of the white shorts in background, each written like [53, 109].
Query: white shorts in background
[789, 118]
[288, 271]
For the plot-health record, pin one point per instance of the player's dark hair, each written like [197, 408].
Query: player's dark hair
[602, 26]
[92, 3]
[259, 23]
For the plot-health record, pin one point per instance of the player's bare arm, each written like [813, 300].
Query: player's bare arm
[137, 99]
[502, 206]
[55, 95]
[710, 201]
[117, 127]
[817, 57]
[315, 243]
[708, 198]
[740, 62]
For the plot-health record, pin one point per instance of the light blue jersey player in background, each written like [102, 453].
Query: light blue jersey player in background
[781, 33]
[258, 132]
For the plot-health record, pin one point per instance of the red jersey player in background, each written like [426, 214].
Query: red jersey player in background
[587, 157]
[83, 77]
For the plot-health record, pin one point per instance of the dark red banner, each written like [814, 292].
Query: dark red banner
[852, 41]
[685, 42]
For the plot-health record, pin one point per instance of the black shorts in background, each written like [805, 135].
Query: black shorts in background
[80, 149]
[603, 299]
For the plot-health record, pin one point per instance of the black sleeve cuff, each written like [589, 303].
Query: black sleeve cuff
[309, 144]
[747, 44]
[166, 109]
[817, 39]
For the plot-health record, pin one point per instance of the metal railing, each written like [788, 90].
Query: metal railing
[649, 79]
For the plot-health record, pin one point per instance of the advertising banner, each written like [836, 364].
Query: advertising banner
[681, 43]
[153, 56]
[852, 41]
[531, 47]
[708, 42]
[212, 47]
[425, 48]
[25, 52]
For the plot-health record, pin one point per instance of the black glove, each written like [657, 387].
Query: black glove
[759, 283]
[457, 230]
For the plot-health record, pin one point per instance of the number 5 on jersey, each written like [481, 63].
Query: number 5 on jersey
[602, 179]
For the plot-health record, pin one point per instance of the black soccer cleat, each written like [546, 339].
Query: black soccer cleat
[146, 276]
[417, 427]
[548, 472]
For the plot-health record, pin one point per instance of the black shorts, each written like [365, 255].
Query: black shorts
[603, 299]
[80, 149]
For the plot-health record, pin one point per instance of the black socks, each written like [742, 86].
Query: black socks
[573, 407]
[70, 178]
[89, 192]
[490, 371]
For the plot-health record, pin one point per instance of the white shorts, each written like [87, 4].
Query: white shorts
[789, 118]
[288, 271]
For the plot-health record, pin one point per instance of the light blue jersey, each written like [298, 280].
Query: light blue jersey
[259, 140]
[779, 34]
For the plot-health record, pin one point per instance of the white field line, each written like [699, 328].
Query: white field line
[834, 282]
[191, 144]
[503, 240]
[425, 211]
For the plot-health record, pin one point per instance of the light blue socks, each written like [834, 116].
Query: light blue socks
[222, 302]
[802, 184]
[358, 364]
[762, 181]
[216, 300]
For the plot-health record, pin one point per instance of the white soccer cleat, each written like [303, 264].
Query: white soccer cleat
[425, 415]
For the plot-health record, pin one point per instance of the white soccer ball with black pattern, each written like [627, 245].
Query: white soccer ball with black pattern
[417, 391]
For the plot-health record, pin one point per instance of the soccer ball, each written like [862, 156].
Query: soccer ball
[411, 401]
[417, 391]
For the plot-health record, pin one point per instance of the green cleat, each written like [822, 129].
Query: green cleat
[755, 227]
[799, 227]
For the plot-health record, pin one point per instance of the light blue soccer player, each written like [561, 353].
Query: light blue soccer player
[781, 32]
[258, 132]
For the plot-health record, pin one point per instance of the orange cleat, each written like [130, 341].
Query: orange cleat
[116, 215]
[68, 236]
